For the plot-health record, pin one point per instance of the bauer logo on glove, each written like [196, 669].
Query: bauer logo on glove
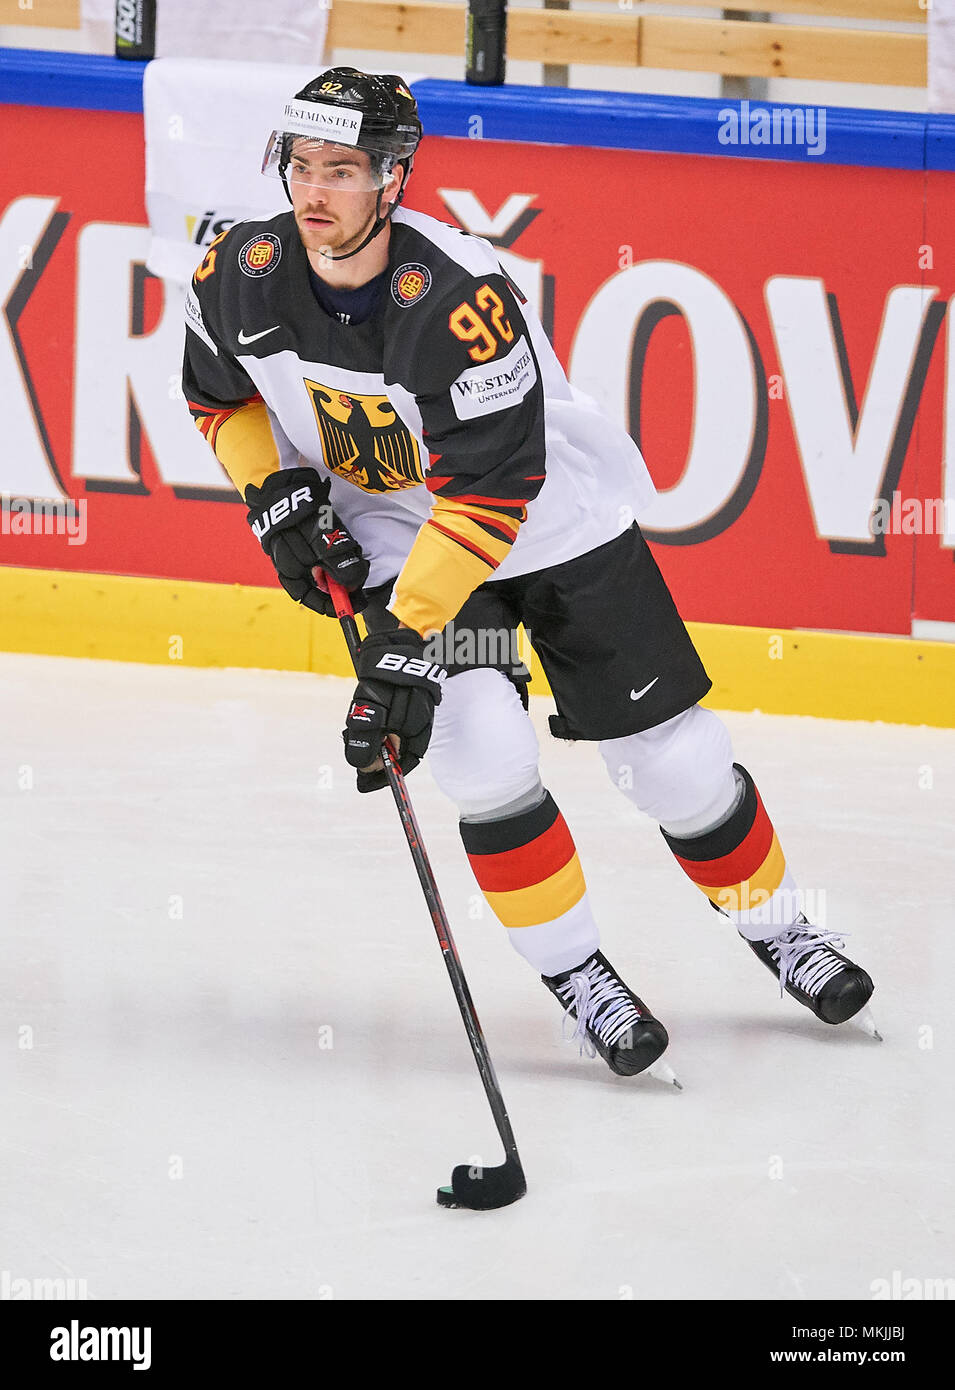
[291, 517]
[398, 689]
[412, 666]
[280, 510]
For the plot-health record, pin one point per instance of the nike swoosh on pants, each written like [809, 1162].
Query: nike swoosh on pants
[638, 694]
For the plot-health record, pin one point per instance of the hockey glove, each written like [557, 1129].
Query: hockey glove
[298, 530]
[398, 688]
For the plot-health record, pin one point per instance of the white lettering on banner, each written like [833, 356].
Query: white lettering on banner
[502, 230]
[24, 466]
[117, 370]
[948, 440]
[724, 384]
[473, 216]
[848, 458]
[844, 467]
[496, 385]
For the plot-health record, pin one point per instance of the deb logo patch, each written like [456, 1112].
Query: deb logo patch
[410, 283]
[261, 255]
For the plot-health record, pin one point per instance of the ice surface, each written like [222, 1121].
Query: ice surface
[248, 1074]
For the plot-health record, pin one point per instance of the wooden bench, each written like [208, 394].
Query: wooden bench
[629, 38]
[737, 48]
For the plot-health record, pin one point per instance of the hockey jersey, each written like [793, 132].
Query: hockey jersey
[457, 450]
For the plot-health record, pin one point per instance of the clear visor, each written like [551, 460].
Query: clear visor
[323, 164]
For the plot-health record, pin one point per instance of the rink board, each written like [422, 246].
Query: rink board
[732, 297]
[778, 671]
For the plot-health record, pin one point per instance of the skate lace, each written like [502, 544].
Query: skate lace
[804, 958]
[602, 1005]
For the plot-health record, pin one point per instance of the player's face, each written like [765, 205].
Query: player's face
[334, 194]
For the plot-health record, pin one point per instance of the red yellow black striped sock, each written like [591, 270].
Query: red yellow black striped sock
[526, 865]
[740, 865]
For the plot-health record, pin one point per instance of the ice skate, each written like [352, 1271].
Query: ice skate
[804, 962]
[611, 1019]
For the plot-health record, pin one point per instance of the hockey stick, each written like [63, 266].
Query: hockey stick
[478, 1188]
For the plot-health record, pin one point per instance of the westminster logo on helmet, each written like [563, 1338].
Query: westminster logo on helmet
[410, 283]
[261, 255]
[364, 440]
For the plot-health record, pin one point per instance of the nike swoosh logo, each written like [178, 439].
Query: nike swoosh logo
[252, 337]
[639, 694]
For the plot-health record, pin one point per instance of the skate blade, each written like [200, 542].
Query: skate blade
[867, 1023]
[662, 1071]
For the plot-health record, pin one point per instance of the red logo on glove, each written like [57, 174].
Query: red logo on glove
[362, 712]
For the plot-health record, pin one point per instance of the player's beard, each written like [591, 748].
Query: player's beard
[336, 240]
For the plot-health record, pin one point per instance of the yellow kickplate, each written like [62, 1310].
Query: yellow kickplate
[122, 618]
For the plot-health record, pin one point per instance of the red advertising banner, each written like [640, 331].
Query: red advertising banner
[772, 333]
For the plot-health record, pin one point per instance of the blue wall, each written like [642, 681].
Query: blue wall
[542, 115]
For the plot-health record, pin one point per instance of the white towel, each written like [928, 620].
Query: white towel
[207, 126]
[941, 55]
[281, 31]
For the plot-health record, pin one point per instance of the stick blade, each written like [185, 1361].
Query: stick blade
[484, 1189]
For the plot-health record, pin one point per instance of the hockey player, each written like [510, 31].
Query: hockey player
[391, 410]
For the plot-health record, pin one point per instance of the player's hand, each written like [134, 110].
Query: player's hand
[291, 517]
[398, 689]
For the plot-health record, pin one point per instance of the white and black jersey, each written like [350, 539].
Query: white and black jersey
[458, 452]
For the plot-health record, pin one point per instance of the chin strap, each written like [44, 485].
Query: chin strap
[377, 225]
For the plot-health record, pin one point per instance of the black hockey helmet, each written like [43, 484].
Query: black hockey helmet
[344, 107]
[389, 112]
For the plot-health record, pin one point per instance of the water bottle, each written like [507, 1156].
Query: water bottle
[135, 29]
[486, 42]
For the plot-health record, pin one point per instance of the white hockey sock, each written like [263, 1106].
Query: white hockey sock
[560, 944]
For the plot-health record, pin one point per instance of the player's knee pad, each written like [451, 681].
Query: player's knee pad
[483, 752]
[680, 773]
